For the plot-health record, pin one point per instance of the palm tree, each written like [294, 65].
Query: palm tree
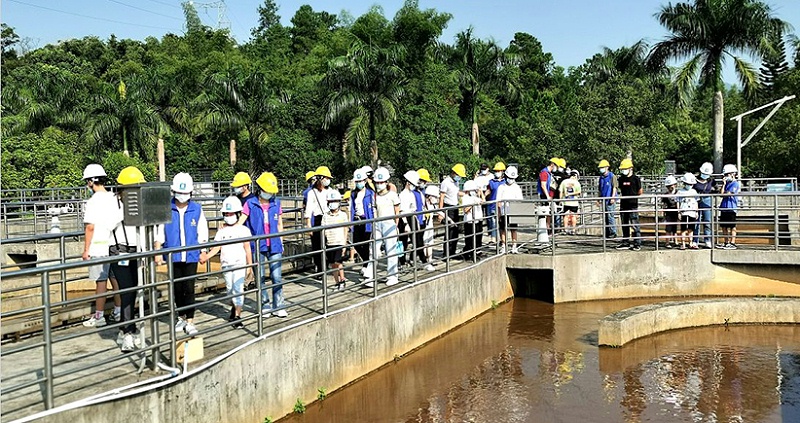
[707, 32]
[628, 61]
[480, 65]
[366, 87]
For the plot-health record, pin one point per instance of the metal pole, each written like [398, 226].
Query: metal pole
[414, 245]
[48, 342]
[62, 252]
[657, 228]
[775, 214]
[324, 274]
[150, 268]
[173, 344]
[259, 276]
[448, 253]
[739, 147]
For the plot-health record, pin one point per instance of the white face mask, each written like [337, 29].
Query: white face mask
[626, 172]
[238, 190]
[510, 181]
[230, 220]
[603, 170]
[498, 175]
[265, 195]
[326, 182]
[422, 185]
[182, 198]
[333, 206]
[485, 172]
[381, 186]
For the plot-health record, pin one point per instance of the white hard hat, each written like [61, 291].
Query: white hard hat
[94, 170]
[412, 176]
[670, 180]
[432, 190]
[182, 183]
[367, 169]
[231, 204]
[729, 168]
[511, 172]
[381, 175]
[689, 178]
[470, 186]
[334, 196]
[359, 174]
[707, 168]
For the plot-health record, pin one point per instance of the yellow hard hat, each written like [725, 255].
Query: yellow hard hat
[268, 183]
[626, 164]
[424, 175]
[603, 163]
[460, 170]
[310, 174]
[130, 175]
[241, 179]
[561, 162]
[500, 167]
[554, 160]
[323, 171]
[346, 195]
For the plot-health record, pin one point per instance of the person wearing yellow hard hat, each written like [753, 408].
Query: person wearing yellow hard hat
[449, 197]
[546, 187]
[241, 189]
[494, 184]
[125, 239]
[315, 209]
[97, 228]
[559, 175]
[188, 227]
[608, 188]
[630, 187]
[310, 177]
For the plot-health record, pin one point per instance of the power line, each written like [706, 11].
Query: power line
[144, 10]
[90, 17]
[165, 4]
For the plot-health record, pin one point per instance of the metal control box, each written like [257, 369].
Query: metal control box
[147, 204]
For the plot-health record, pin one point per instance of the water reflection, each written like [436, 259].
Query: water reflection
[534, 362]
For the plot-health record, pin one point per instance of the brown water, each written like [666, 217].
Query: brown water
[529, 361]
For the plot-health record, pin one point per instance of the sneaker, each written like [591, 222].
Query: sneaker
[181, 325]
[707, 245]
[94, 322]
[266, 312]
[363, 270]
[370, 283]
[623, 246]
[694, 246]
[669, 245]
[116, 316]
[429, 267]
[339, 286]
[237, 322]
[282, 313]
[721, 246]
[233, 314]
[636, 247]
[190, 329]
[391, 280]
[502, 249]
[127, 343]
[514, 250]
[730, 246]
[683, 247]
[120, 337]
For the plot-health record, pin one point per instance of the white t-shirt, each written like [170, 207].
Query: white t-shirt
[232, 254]
[450, 190]
[104, 213]
[124, 234]
[508, 192]
[359, 206]
[476, 212]
[483, 181]
[687, 202]
[317, 203]
[335, 236]
[408, 202]
[384, 204]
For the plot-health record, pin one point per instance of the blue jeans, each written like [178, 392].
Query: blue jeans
[611, 220]
[276, 276]
[491, 220]
[703, 225]
[630, 226]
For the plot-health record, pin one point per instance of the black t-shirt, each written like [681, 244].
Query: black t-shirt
[629, 185]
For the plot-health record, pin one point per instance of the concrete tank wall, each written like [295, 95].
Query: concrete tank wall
[265, 379]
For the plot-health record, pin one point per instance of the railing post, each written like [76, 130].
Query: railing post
[258, 278]
[150, 268]
[62, 252]
[325, 273]
[414, 245]
[657, 233]
[448, 253]
[775, 214]
[173, 344]
[48, 342]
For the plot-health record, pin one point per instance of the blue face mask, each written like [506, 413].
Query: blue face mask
[457, 178]
[266, 195]
[705, 176]
[360, 185]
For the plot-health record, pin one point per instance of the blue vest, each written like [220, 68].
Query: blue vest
[606, 186]
[369, 207]
[549, 182]
[255, 223]
[172, 231]
[420, 204]
[305, 195]
[494, 185]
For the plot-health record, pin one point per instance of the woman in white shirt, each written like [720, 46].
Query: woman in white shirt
[508, 191]
[473, 220]
[387, 205]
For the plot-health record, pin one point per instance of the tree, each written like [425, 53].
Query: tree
[707, 32]
[8, 38]
[193, 22]
[366, 87]
[479, 65]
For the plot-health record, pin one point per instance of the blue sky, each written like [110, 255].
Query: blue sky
[571, 30]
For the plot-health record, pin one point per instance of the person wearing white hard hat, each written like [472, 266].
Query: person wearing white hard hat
[235, 258]
[473, 220]
[362, 207]
[705, 186]
[669, 204]
[188, 227]
[687, 205]
[729, 206]
[505, 193]
[412, 201]
[450, 196]
[387, 205]
[98, 226]
[335, 238]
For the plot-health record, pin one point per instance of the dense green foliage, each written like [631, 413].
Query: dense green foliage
[343, 91]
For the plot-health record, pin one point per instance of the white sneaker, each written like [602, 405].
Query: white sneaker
[127, 343]
[181, 325]
[281, 313]
[189, 329]
[391, 280]
[370, 283]
[116, 316]
[363, 271]
[502, 249]
[429, 267]
[94, 322]
[120, 336]
[514, 249]
[266, 312]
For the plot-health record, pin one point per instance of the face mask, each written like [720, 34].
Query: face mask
[326, 182]
[266, 195]
[485, 172]
[498, 175]
[626, 172]
[230, 220]
[457, 178]
[381, 186]
[510, 181]
[360, 185]
[603, 170]
[238, 190]
[333, 206]
[182, 198]
[422, 186]
[705, 176]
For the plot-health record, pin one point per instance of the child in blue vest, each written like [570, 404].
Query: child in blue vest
[187, 228]
[362, 207]
[264, 217]
[728, 207]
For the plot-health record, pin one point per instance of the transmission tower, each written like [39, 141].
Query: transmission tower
[222, 12]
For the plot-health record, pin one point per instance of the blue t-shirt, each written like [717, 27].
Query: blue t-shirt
[731, 201]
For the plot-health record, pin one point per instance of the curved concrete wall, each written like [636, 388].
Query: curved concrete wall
[623, 326]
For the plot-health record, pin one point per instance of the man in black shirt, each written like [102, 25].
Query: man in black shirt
[630, 186]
